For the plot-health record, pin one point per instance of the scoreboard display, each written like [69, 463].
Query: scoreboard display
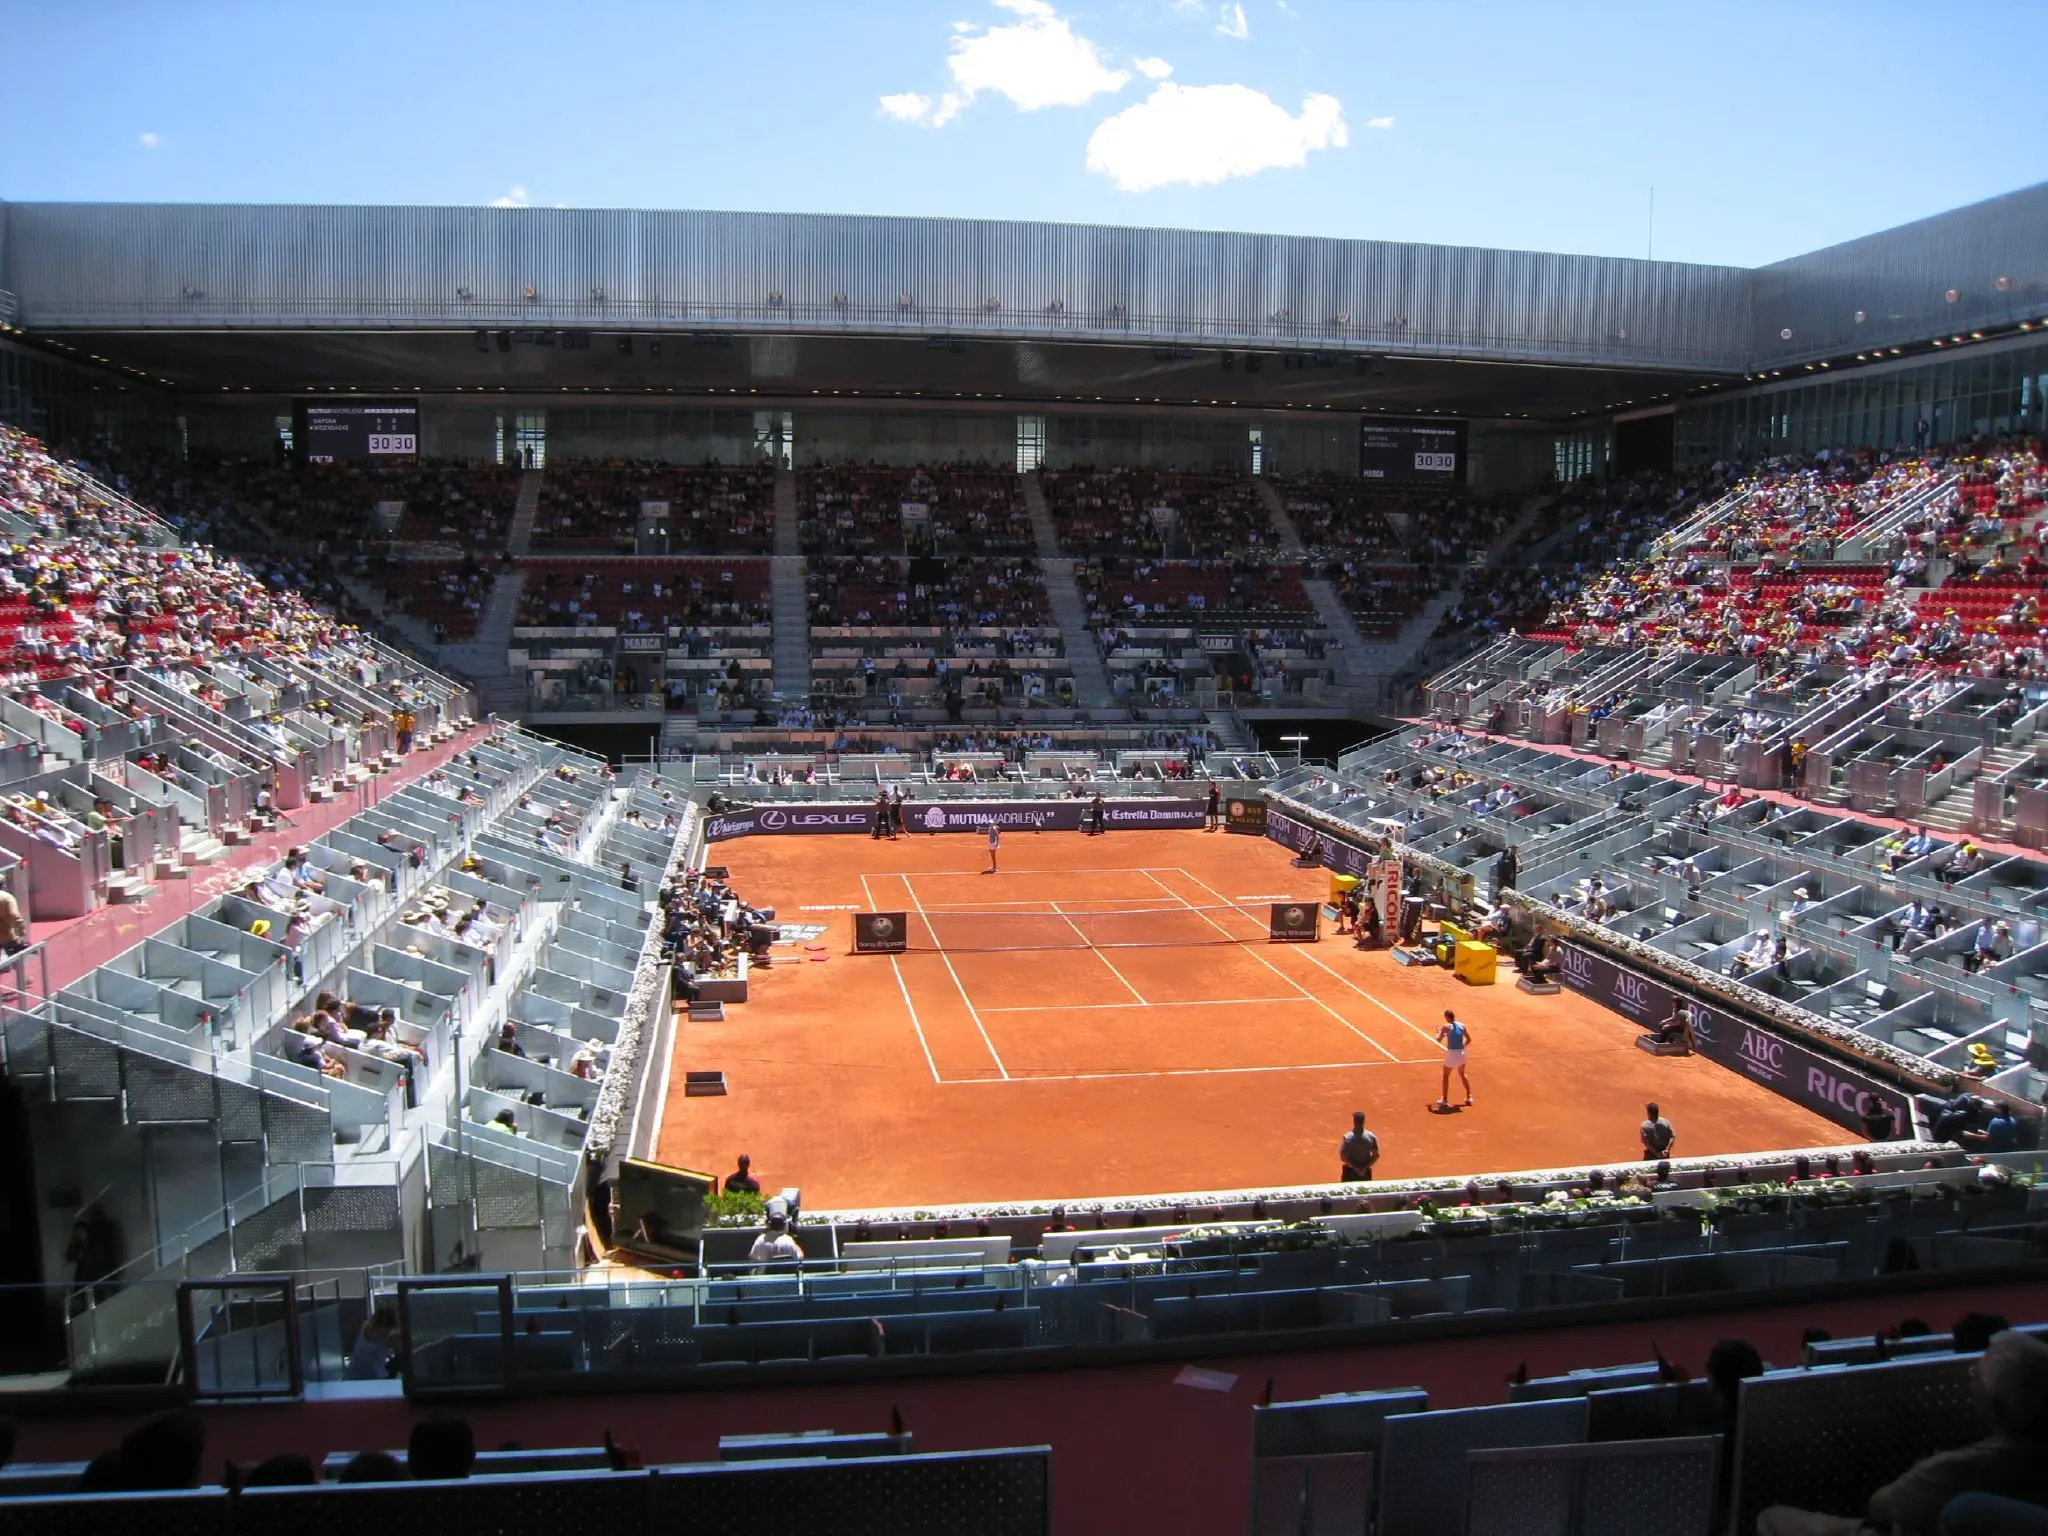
[354, 431]
[1412, 452]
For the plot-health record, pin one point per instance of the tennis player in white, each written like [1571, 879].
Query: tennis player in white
[995, 841]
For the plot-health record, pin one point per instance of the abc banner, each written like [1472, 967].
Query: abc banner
[879, 933]
[1338, 856]
[1820, 1083]
[1295, 922]
[1245, 815]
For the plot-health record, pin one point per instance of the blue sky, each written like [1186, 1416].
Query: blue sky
[1767, 129]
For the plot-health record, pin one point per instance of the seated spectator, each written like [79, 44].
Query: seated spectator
[376, 1346]
[287, 1469]
[442, 1447]
[2010, 1384]
[1973, 1331]
[373, 1467]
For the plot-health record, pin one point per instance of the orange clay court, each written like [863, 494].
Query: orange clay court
[1113, 1067]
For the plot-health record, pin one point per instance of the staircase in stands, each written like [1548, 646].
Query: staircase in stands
[792, 625]
[1408, 656]
[1077, 636]
[788, 540]
[481, 659]
[1356, 688]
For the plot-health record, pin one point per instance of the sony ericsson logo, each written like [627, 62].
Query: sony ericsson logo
[1294, 917]
[882, 926]
[1762, 1054]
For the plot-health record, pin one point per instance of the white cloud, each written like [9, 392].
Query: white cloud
[1201, 134]
[1233, 23]
[515, 197]
[1379, 122]
[907, 107]
[1152, 69]
[1038, 62]
[1035, 62]
[149, 140]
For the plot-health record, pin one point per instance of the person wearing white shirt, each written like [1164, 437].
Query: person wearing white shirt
[775, 1245]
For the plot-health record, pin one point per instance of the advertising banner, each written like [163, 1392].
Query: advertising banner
[1385, 884]
[961, 816]
[1295, 922]
[1792, 1070]
[879, 933]
[1339, 858]
[786, 819]
[1245, 815]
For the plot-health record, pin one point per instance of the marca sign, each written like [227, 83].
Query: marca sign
[1778, 1062]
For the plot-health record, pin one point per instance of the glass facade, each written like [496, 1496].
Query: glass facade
[61, 404]
[1923, 403]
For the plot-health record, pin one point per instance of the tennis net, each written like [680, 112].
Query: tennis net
[986, 931]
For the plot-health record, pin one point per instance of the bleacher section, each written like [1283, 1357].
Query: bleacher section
[949, 509]
[1808, 915]
[600, 506]
[484, 895]
[910, 630]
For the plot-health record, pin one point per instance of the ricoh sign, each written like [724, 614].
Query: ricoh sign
[1781, 1064]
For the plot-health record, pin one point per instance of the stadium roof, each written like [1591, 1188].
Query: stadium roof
[288, 297]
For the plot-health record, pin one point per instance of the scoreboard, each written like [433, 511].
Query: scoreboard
[351, 431]
[1412, 452]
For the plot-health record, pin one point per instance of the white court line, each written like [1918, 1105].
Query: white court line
[902, 986]
[1119, 975]
[980, 1028]
[1204, 1002]
[1089, 1077]
[1012, 874]
[1269, 965]
[1302, 949]
[1041, 901]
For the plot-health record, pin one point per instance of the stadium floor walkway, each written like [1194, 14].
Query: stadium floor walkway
[77, 944]
[1776, 796]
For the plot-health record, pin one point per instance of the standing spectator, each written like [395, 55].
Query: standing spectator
[1215, 807]
[741, 1180]
[1358, 1151]
[1657, 1135]
[13, 926]
[1507, 869]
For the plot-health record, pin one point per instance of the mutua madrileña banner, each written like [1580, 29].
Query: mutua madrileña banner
[961, 816]
[1804, 1076]
[880, 933]
[1294, 922]
[1246, 815]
